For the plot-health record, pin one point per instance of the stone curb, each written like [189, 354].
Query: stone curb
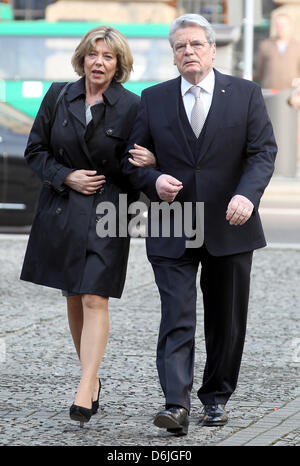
[269, 429]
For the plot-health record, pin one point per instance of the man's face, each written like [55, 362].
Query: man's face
[193, 55]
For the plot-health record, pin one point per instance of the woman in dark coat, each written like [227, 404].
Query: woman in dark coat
[75, 151]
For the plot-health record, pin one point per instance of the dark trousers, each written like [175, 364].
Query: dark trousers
[225, 288]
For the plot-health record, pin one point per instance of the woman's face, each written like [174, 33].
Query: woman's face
[100, 65]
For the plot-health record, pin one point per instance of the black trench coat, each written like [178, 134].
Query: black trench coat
[56, 249]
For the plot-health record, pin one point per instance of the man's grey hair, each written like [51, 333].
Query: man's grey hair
[192, 19]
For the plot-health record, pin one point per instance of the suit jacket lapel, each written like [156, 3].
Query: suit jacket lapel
[216, 114]
[172, 96]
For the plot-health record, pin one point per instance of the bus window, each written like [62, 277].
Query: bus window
[49, 58]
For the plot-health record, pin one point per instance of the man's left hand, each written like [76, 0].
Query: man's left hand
[239, 210]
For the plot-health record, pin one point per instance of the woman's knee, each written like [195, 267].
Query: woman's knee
[92, 302]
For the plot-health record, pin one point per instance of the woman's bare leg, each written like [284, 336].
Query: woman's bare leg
[93, 340]
[75, 318]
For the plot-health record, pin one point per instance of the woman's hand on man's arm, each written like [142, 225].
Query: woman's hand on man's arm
[142, 157]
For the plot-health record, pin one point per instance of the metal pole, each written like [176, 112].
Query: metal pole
[248, 38]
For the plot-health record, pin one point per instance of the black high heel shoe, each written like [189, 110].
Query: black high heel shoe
[81, 414]
[95, 404]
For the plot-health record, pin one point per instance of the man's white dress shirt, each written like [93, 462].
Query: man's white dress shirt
[207, 88]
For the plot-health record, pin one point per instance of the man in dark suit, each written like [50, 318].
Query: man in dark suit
[213, 145]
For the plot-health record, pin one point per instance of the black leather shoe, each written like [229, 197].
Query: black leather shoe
[214, 415]
[174, 419]
[81, 414]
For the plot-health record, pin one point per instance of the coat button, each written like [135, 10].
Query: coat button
[104, 162]
[61, 151]
[109, 131]
[65, 122]
[59, 210]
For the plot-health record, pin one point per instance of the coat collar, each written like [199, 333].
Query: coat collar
[111, 95]
[75, 100]
[76, 89]
[76, 96]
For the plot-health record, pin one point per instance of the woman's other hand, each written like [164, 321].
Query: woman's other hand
[142, 157]
[85, 181]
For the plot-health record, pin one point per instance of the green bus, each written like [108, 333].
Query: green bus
[33, 54]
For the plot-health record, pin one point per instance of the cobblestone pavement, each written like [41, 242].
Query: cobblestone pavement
[40, 371]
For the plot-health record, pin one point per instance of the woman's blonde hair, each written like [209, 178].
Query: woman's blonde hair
[115, 41]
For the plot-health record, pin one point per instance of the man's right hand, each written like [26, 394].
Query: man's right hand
[85, 181]
[167, 187]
